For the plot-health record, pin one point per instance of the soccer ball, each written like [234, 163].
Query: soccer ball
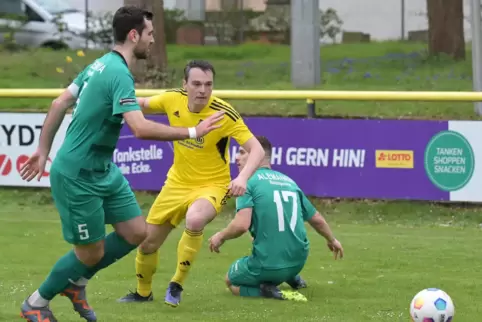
[432, 305]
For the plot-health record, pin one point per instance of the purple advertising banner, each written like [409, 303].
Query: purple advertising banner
[382, 159]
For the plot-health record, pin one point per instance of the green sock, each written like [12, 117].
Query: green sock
[115, 248]
[67, 268]
[249, 291]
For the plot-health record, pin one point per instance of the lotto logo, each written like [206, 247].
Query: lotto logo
[5, 165]
[394, 159]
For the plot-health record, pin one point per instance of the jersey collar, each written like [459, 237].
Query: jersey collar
[120, 55]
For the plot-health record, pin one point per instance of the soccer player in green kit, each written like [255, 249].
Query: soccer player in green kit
[88, 189]
[273, 209]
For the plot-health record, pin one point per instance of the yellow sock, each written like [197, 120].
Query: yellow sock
[188, 247]
[146, 265]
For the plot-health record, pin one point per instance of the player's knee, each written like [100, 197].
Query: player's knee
[235, 290]
[134, 231]
[227, 281]
[148, 246]
[195, 222]
[199, 215]
[156, 235]
[90, 254]
[137, 236]
[198, 219]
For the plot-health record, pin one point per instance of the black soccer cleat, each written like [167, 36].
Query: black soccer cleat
[136, 297]
[297, 283]
[271, 291]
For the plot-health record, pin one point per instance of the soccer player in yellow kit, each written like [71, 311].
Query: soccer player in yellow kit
[199, 181]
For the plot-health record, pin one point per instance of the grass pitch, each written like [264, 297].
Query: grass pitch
[393, 250]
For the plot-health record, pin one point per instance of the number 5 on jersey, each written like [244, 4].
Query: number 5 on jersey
[83, 232]
[287, 195]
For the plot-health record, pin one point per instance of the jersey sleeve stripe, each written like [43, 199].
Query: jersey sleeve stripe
[228, 113]
[219, 104]
[177, 90]
[74, 89]
[232, 114]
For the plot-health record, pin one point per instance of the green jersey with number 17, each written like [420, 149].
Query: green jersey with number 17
[279, 209]
[104, 90]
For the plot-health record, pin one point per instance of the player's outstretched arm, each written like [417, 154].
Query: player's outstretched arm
[144, 104]
[148, 130]
[152, 104]
[35, 165]
[236, 228]
[54, 119]
[256, 154]
[319, 223]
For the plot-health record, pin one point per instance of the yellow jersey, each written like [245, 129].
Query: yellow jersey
[206, 160]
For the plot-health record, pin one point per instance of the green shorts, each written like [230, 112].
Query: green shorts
[246, 272]
[90, 201]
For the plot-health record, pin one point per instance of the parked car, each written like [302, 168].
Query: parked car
[38, 25]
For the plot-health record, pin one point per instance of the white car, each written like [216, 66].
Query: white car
[40, 28]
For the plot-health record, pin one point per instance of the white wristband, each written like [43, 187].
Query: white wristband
[192, 132]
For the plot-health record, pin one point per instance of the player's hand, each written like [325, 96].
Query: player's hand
[336, 247]
[215, 242]
[209, 124]
[34, 166]
[237, 187]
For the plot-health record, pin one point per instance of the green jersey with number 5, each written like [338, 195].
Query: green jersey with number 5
[104, 90]
[279, 209]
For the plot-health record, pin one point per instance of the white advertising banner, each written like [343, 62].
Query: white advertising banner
[19, 138]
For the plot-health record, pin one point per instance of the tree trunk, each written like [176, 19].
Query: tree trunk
[446, 28]
[152, 70]
[139, 67]
[158, 56]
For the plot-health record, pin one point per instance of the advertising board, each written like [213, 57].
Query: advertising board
[19, 137]
[376, 159]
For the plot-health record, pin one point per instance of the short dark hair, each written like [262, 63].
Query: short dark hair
[201, 64]
[266, 144]
[127, 18]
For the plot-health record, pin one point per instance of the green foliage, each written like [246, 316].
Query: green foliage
[375, 66]
[173, 19]
[62, 32]
[276, 21]
[330, 24]
[10, 29]
[100, 28]
[229, 26]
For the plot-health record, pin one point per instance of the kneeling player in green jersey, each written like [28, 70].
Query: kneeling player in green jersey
[88, 189]
[273, 209]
